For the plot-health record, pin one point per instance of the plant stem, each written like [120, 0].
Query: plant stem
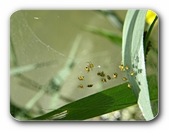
[148, 35]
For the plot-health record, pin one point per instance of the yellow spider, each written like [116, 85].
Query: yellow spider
[131, 73]
[121, 67]
[124, 78]
[87, 69]
[80, 86]
[81, 78]
[129, 86]
[115, 75]
[104, 80]
[127, 67]
[90, 65]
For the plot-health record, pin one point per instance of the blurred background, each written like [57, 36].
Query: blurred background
[50, 49]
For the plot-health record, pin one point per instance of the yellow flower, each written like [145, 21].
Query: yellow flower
[150, 16]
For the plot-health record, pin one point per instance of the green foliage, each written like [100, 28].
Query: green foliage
[109, 100]
[143, 91]
[113, 17]
[147, 36]
[105, 33]
[133, 56]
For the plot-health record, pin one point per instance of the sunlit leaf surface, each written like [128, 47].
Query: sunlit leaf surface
[133, 56]
[100, 103]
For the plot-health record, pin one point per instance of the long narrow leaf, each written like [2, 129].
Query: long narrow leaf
[22, 69]
[133, 56]
[109, 100]
[116, 39]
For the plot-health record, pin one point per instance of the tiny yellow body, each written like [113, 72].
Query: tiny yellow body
[80, 86]
[81, 78]
[131, 73]
[124, 78]
[115, 75]
[87, 69]
[121, 67]
[127, 67]
[104, 80]
[129, 86]
[91, 65]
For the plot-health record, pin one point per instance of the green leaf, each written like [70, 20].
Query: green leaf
[22, 69]
[150, 29]
[146, 41]
[106, 101]
[111, 36]
[133, 56]
[113, 18]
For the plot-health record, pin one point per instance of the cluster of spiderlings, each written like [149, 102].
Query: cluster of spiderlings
[124, 68]
[89, 67]
[104, 76]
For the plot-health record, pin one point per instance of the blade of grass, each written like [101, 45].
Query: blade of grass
[148, 34]
[109, 100]
[56, 82]
[108, 34]
[12, 54]
[133, 56]
[22, 69]
[113, 17]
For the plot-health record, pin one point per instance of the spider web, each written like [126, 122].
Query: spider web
[63, 51]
